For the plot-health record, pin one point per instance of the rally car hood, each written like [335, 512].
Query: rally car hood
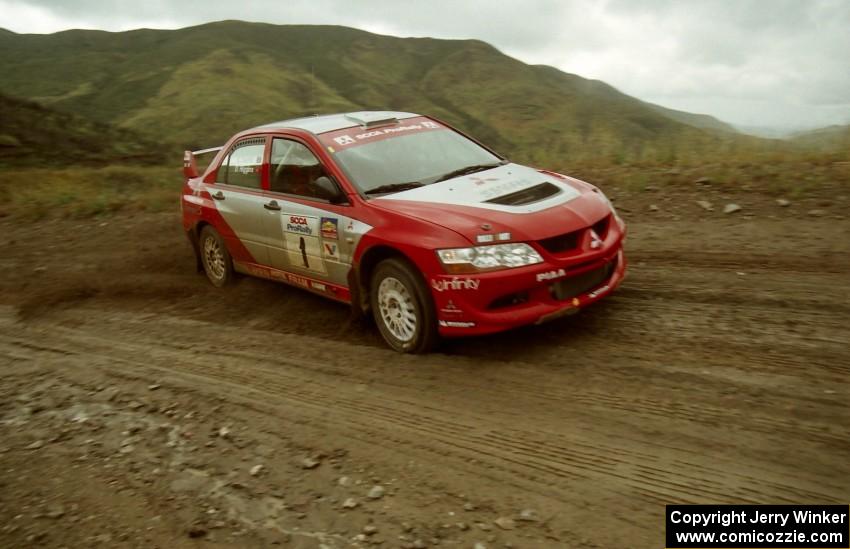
[529, 204]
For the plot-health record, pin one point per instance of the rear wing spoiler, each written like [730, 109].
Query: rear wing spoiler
[190, 162]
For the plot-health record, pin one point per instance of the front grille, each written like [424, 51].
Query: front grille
[583, 283]
[601, 227]
[562, 242]
[569, 241]
[527, 196]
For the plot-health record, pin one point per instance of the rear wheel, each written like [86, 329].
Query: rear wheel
[214, 256]
[402, 308]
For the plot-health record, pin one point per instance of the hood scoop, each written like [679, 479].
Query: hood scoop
[527, 196]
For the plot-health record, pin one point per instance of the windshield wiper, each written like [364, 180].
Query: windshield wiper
[394, 187]
[469, 169]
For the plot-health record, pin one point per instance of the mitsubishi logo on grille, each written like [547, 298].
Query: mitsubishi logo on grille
[595, 241]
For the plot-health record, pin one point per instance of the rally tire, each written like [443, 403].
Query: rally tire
[215, 258]
[402, 308]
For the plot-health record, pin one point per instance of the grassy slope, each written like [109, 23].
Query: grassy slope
[197, 86]
[832, 138]
[60, 191]
[703, 121]
[33, 134]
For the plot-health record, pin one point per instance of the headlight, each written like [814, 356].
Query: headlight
[488, 258]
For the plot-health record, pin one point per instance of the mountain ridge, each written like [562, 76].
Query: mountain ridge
[198, 85]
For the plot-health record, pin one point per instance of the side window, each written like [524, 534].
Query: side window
[244, 165]
[293, 169]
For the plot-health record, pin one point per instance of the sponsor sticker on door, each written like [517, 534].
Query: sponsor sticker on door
[330, 228]
[303, 245]
[330, 250]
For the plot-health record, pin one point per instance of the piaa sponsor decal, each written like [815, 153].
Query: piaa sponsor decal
[455, 283]
[551, 275]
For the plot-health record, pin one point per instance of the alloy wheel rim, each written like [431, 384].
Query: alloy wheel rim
[398, 311]
[214, 258]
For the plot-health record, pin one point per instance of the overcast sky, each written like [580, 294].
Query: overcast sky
[778, 63]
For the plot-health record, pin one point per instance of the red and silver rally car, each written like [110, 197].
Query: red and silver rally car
[402, 215]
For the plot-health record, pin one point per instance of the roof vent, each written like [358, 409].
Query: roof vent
[371, 119]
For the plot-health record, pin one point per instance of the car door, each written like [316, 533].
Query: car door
[307, 235]
[238, 196]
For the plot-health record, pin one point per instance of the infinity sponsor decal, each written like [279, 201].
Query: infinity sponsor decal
[441, 285]
[551, 275]
[456, 324]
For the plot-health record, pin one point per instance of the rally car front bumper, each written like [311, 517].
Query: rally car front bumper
[497, 301]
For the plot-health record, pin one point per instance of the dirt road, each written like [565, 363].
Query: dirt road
[141, 407]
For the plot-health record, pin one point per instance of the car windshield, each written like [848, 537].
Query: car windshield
[407, 161]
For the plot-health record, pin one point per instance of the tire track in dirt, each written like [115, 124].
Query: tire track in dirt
[692, 384]
[683, 411]
[834, 263]
[514, 455]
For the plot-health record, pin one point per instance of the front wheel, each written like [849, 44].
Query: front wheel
[402, 308]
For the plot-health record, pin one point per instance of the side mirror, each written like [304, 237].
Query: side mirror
[327, 189]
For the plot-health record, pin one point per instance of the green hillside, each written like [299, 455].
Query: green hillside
[702, 121]
[36, 135]
[832, 138]
[196, 86]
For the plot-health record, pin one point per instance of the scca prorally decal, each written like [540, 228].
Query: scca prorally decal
[455, 283]
[456, 324]
[299, 224]
[301, 238]
[349, 139]
[551, 275]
